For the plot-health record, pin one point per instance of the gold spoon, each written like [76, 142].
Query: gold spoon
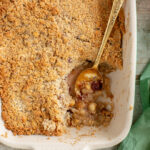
[91, 74]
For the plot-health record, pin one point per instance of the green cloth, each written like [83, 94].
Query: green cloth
[139, 135]
[145, 88]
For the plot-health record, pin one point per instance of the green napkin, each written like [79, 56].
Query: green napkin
[139, 135]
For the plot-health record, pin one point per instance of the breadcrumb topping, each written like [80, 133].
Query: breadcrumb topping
[41, 41]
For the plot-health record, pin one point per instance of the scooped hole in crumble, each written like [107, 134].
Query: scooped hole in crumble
[93, 106]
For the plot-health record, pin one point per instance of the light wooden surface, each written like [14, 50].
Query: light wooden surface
[143, 10]
[143, 51]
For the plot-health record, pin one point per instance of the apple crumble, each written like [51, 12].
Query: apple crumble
[41, 42]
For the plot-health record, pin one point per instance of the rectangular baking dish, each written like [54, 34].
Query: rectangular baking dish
[123, 88]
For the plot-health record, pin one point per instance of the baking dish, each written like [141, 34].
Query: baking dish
[123, 85]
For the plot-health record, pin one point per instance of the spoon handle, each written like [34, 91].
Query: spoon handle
[117, 4]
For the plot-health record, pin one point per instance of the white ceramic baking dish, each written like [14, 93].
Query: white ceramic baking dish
[123, 86]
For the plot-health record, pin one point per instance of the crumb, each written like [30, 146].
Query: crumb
[131, 108]
[93, 133]
[5, 135]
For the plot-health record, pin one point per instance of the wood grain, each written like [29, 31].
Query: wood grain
[143, 24]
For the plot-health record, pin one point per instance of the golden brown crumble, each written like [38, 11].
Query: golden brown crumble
[41, 41]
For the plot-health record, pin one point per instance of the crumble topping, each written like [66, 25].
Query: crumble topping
[41, 42]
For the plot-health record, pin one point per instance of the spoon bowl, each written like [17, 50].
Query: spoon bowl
[91, 78]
